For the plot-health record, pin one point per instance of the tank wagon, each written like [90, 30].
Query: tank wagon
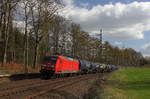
[66, 66]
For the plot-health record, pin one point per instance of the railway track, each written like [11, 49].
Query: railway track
[33, 89]
[26, 87]
[18, 84]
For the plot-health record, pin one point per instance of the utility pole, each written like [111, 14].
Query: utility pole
[101, 45]
[101, 36]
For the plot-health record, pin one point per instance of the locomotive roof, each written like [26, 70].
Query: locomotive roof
[65, 57]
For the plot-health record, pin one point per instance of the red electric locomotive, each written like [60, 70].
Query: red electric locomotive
[58, 65]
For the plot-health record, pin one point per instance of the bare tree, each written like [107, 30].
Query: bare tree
[25, 6]
[7, 13]
[42, 13]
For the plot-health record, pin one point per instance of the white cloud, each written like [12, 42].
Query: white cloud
[19, 24]
[146, 49]
[119, 21]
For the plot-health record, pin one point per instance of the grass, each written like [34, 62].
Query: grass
[131, 83]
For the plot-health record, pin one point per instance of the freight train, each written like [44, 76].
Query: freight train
[65, 66]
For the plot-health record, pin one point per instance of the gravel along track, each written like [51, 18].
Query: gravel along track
[47, 89]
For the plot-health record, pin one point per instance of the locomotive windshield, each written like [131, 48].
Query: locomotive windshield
[50, 59]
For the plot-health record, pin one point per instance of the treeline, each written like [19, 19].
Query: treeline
[31, 29]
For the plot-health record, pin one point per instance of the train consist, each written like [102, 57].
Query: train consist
[66, 66]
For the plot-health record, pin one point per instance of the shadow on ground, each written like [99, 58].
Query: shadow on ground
[16, 77]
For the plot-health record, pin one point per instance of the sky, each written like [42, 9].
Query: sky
[125, 23]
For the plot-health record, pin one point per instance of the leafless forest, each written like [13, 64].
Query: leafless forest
[31, 29]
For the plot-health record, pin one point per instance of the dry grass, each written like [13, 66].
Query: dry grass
[14, 68]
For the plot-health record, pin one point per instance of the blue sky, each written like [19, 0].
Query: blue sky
[125, 23]
[103, 2]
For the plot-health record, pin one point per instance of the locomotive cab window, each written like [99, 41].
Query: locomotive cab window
[50, 59]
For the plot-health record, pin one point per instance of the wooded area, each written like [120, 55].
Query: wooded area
[31, 29]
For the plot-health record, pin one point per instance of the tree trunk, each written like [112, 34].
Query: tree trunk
[6, 33]
[26, 52]
[36, 55]
[26, 41]
[26, 56]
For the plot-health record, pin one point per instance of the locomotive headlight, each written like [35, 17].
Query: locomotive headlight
[43, 64]
[51, 66]
[42, 67]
